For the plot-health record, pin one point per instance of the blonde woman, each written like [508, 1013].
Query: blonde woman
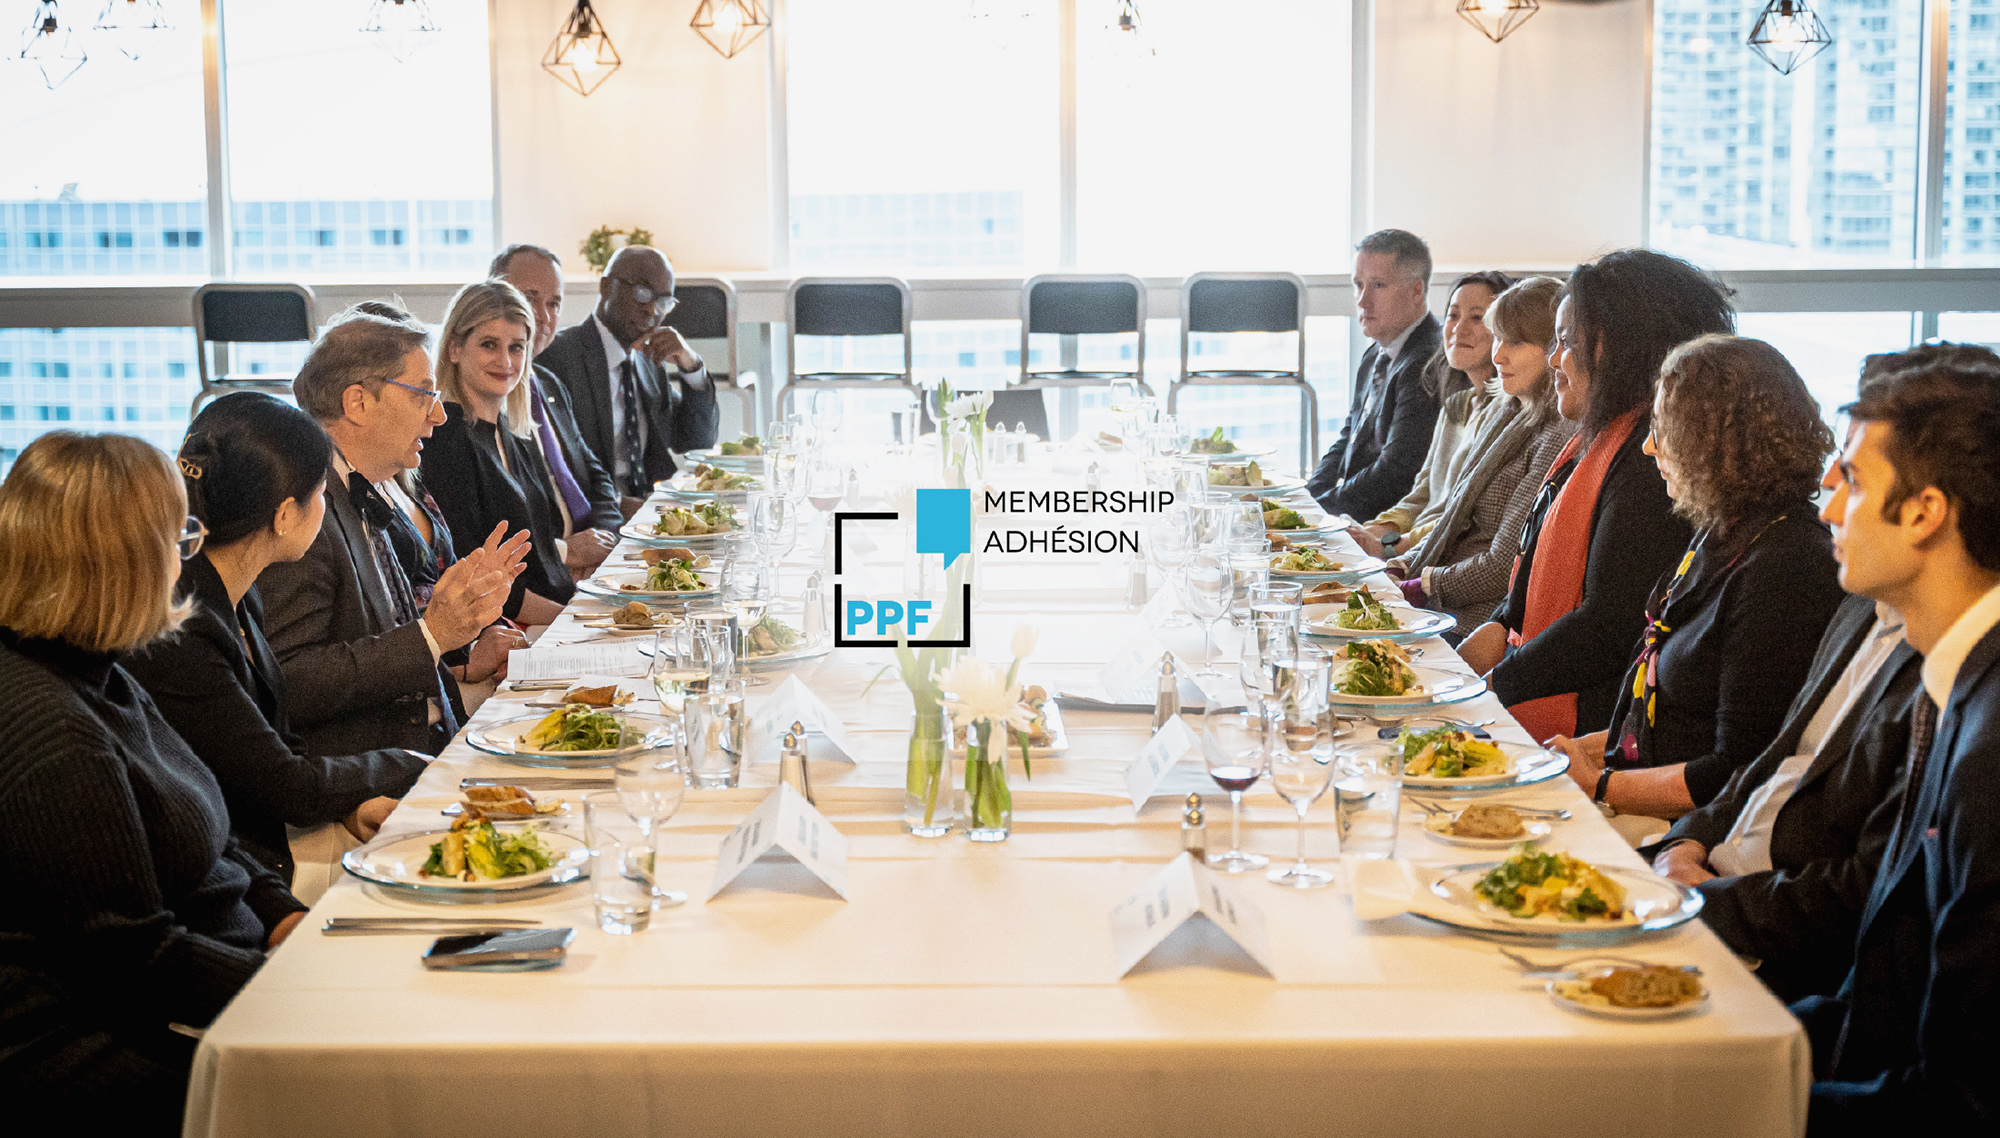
[485, 465]
[129, 905]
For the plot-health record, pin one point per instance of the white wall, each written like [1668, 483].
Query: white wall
[673, 142]
[1522, 154]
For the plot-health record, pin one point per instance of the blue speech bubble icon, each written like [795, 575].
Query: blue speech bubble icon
[944, 523]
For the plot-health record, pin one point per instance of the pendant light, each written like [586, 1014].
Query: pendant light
[399, 27]
[133, 24]
[581, 55]
[1497, 19]
[51, 45]
[1787, 33]
[1129, 42]
[729, 26]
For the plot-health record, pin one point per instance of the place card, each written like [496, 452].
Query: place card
[565, 662]
[794, 702]
[1163, 605]
[784, 823]
[1186, 893]
[1156, 760]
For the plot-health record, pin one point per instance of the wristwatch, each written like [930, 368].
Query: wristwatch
[1603, 786]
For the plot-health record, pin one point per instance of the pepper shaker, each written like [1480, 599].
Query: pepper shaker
[1167, 696]
[792, 765]
[1194, 829]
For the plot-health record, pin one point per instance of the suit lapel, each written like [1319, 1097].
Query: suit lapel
[353, 534]
[592, 404]
[1833, 749]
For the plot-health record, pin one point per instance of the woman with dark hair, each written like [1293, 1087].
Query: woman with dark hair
[1602, 529]
[1461, 378]
[1731, 632]
[255, 469]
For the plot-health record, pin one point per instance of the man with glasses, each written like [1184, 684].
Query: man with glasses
[638, 390]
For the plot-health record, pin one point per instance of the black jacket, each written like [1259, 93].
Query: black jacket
[678, 418]
[463, 469]
[592, 476]
[223, 692]
[1800, 916]
[129, 905]
[1907, 1044]
[1742, 642]
[1634, 538]
[1382, 445]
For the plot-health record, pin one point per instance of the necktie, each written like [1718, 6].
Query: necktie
[380, 516]
[629, 444]
[1370, 398]
[559, 471]
[1923, 728]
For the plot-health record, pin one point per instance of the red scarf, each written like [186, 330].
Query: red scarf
[1562, 554]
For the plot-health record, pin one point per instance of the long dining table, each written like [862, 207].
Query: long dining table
[973, 989]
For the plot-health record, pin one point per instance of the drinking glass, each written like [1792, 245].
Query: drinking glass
[1232, 744]
[1175, 440]
[717, 731]
[651, 785]
[1270, 637]
[1368, 798]
[1208, 586]
[829, 414]
[1246, 520]
[903, 421]
[1212, 520]
[1169, 541]
[774, 529]
[621, 864]
[1125, 402]
[785, 465]
[716, 634]
[678, 667]
[1301, 754]
[783, 433]
[1191, 480]
[1250, 565]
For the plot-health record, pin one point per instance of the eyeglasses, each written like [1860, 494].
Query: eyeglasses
[435, 396]
[192, 535]
[662, 303]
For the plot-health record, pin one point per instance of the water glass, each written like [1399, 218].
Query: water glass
[1233, 747]
[1250, 563]
[717, 730]
[1270, 637]
[1368, 798]
[1301, 754]
[651, 785]
[903, 421]
[621, 864]
[678, 667]
[716, 633]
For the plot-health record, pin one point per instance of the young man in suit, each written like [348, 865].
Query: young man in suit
[1906, 1041]
[639, 391]
[1382, 445]
[365, 666]
[585, 485]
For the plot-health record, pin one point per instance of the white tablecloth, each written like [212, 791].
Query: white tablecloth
[968, 989]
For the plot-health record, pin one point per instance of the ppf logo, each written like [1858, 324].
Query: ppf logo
[944, 526]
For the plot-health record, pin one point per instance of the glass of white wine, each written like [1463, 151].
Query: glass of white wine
[679, 668]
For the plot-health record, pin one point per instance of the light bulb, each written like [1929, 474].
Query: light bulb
[1787, 32]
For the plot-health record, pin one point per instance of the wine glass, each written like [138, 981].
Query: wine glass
[678, 668]
[829, 414]
[1212, 521]
[1301, 754]
[1169, 541]
[1246, 519]
[1208, 586]
[1232, 744]
[826, 483]
[1125, 402]
[774, 529]
[650, 786]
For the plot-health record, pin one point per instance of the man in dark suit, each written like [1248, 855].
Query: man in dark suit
[1382, 445]
[365, 668]
[588, 493]
[631, 409]
[1907, 1041]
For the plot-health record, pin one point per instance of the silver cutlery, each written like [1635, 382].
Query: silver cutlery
[1576, 964]
[427, 926]
[1524, 811]
[539, 782]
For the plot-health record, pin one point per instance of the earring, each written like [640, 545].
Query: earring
[281, 533]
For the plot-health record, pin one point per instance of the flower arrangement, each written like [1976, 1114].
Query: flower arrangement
[598, 247]
[978, 699]
[962, 414]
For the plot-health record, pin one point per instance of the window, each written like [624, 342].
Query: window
[128, 367]
[1972, 110]
[1827, 347]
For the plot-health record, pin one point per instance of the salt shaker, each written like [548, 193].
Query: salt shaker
[792, 764]
[1135, 582]
[1194, 829]
[1167, 697]
[815, 616]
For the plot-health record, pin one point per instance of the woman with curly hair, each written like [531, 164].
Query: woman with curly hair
[1731, 630]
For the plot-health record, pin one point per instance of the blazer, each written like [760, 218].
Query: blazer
[678, 418]
[1828, 837]
[1907, 1042]
[464, 471]
[1374, 462]
[129, 905]
[1634, 538]
[592, 476]
[357, 679]
[218, 684]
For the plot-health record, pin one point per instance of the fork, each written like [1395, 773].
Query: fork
[1574, 963]
[1524, 811]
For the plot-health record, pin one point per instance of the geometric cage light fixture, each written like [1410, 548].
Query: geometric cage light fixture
[581, 55]
[1787, 33]
[729, 26]
[1497, 19]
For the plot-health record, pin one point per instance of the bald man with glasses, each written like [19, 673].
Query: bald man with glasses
[638, 390]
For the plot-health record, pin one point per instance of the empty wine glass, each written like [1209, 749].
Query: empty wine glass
[826, 482]
[1208, 586]
[829, 414]
[774, 529]
[651, 786]
[1301, 754]
[1232, 744]
[1169, 542]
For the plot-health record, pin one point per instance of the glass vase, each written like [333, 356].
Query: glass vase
[989, 808]
[930, 802]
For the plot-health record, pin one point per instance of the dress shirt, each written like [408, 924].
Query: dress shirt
[614, 357]
[1747, 848]
[1394, 348]
[393, 492]
[1947, 656]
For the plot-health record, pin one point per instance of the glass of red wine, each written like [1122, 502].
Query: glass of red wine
[1232, 744]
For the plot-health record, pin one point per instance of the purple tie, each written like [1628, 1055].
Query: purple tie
[579, 506]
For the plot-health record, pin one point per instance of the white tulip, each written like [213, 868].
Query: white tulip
[1024, 641]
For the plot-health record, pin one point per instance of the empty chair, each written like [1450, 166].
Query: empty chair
[1222, 303]
[846, 307]
[1070, 305]
[247, 314]
[707, 311]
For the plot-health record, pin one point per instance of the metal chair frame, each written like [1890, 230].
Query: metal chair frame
[834, 380]
[213, 385]
[726, 382]
[1308, 398]
[1074, 377]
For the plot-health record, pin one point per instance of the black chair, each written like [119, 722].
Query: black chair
[247, 314]
[1213, 303]
[1072, 305]
[707, 312]
[846, 306]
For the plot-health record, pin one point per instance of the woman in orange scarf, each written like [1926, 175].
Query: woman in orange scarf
[1603, 529]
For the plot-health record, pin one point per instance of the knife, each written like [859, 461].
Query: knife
[357, 922]
[536, 782]
[1092, 703]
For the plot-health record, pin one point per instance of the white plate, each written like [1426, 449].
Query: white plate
[393, 863]
[1518, 755]
[1058, 738]
[1272, 488]
[1417, 624]
[1536, 832]
[1575, 995]
[1651, 903]
[747, 463]
[642, 533]
[611, 585]
[504, 739]
[1244, 452]
[1351, 572]
[1534, 767]
[1435, 688]
[682, 488]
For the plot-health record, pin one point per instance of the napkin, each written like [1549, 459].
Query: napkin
[1383, 887]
